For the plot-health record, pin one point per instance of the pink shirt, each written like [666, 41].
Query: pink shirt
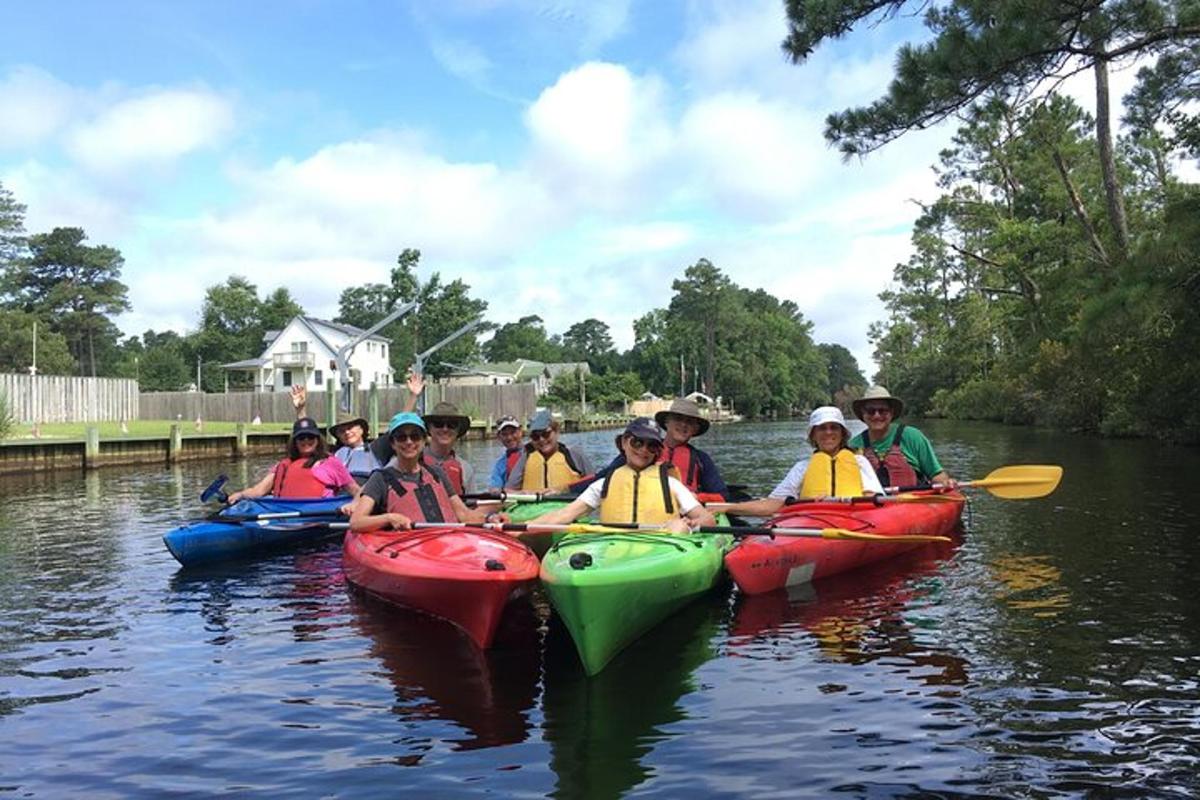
[333, 474]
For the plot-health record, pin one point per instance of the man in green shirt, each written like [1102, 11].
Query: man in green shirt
[900, 454]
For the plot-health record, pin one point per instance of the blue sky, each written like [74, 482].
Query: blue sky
[566, 158]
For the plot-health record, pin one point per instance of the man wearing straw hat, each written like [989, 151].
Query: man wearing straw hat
[900, 454]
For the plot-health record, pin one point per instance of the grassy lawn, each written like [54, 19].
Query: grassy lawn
[137, 428]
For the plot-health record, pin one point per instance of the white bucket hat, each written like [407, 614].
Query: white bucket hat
[823, 414]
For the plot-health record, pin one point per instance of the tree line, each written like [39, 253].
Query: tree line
[1056, 279]
[746, 346]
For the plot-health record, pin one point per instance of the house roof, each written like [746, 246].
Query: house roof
[523, 369]
[314, 324]
[554, 370]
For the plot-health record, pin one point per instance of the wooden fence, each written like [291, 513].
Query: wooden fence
[479, 402]
[64, 398]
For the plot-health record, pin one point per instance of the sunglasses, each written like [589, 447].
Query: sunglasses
[441, 423]
[537, 436]
[876, 411]
[638, 443]
[412, 436]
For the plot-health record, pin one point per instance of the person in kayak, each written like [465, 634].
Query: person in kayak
[508, 431]
[446, 426]
[681, 423]
[547, 463]
[640, 490]
[833, 469]
[308, 470]
[900, 454]
[410, 489]
[352, 435]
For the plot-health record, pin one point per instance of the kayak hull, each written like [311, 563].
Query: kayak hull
[230, 535]
[610, 589]
[465, 577]
[760, 564]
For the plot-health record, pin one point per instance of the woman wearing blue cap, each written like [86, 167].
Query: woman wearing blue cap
[409, 489]
[640, 490]
[308, 470]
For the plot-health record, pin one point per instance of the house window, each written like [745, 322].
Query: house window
[319, 378]
[299, 347]
[287, 377]
[383, 351]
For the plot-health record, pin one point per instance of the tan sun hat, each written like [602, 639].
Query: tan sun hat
[878, 393]
[683, 407]
[448, 412]
[345, 421]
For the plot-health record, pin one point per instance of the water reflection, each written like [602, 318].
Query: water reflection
[602, 728]
[1031, 583]
[439, 674]
[857, 618]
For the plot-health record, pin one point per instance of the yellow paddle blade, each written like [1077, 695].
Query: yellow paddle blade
[1021, 482]
[842, 533]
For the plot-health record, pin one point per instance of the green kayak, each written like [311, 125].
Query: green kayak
[611, 588]
[540, 541]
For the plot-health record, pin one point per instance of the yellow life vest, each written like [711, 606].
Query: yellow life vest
[549, 473]
[836, 476]
[630, 496]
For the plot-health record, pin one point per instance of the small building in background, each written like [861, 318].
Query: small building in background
[304, 354]
[523, 370]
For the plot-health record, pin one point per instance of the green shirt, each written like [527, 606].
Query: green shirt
[913, 444]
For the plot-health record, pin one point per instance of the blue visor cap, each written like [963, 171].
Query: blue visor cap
[405, 418]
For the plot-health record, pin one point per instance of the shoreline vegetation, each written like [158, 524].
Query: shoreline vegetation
[1055, 281]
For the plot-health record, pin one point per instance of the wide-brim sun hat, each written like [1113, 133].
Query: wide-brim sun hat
[345, 422]
[682, 407]
[405, 418]
[823, 415]
[306, 426]
[877, 393]
[449, 412]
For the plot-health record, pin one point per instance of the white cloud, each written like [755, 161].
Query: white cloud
[597, 128]
[153, 129]
[36, 106]
[461, 58]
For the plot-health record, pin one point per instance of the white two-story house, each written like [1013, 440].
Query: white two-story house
[304, 353]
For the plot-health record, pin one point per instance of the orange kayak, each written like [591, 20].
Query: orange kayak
[762, 564]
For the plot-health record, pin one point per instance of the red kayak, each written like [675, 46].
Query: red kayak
[466, 577]
[761, 564]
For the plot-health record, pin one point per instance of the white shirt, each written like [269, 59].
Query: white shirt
[684, 499]
[790, 485]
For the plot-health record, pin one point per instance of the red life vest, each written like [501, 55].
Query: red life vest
[451, 466]
[294, 479]
[510, 460]
[893, 469]
[425, 501]
[684, 458]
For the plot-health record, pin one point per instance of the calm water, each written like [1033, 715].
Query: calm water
[1054, 651]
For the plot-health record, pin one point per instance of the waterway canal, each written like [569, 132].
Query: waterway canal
[1053, 651]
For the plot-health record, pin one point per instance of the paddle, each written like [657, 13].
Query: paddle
[617, 527]
[524, 497]
[1017, 482]
[214, 492]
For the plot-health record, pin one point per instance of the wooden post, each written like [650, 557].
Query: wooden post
[239, 443]
[175, 445]
[330, 404]
[91, 447]
[373, 409]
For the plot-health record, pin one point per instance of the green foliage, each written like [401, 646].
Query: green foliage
[590, 341]
[445, 307]
[74, 288]
[12, 233]
[607, 392]
[157, 361]
[233, 323]
[16, 346]
[525, 338]
[842, 370]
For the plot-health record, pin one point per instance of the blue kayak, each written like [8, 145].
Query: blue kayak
[255, 524]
